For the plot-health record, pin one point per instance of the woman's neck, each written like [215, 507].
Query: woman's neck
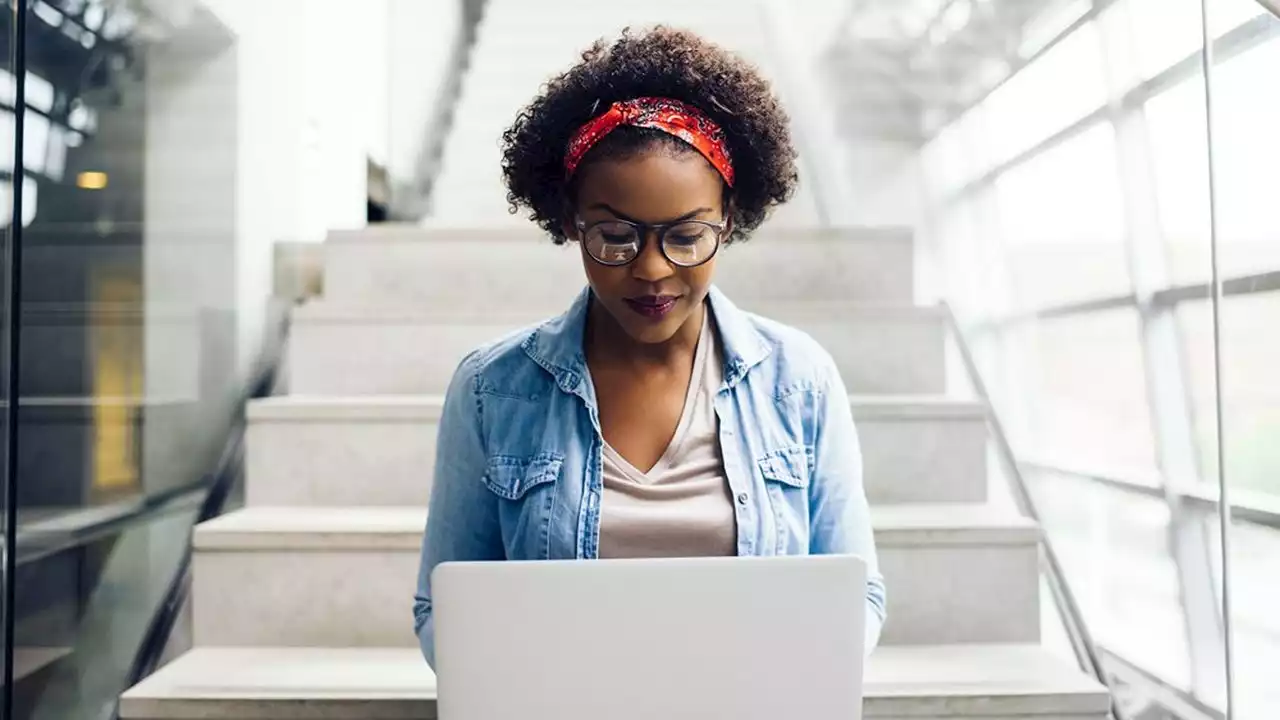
[607, 342]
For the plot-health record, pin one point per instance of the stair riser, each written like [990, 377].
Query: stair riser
[381, 358]
[370, 462]
[304, 598]
[966, 594]
[443, 273]
[359, 599]
[338, 464]
[871, 712]
[924, 460]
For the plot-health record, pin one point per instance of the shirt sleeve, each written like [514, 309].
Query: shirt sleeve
[462, 518]
[840, 521]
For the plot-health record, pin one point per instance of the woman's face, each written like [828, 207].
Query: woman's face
[650, 298]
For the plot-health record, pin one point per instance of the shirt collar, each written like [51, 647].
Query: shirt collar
[557, 344]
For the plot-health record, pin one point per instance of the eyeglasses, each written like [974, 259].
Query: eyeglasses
[688, 243]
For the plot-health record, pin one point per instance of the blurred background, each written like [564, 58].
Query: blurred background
[169, 168]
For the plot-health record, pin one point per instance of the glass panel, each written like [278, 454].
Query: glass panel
[1060, 87]
[1255, 555]
[81, 643]
[1115, 550]
[1063, 223]
[1164, 32]
[8, 511]
[1180, 166]
[1085, 395]
[1250, 393]
[130, 376]
[1246, 146]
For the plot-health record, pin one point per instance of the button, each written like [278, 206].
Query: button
[742, 498]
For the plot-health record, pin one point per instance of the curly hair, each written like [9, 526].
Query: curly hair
[661, 61]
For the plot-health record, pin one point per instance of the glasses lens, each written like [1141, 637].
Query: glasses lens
[690, 243]
[612, 243]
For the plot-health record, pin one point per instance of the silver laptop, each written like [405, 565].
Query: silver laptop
[704, 638]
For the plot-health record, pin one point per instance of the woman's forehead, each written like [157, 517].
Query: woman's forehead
[651, 187]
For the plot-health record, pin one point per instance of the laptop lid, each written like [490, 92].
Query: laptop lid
[740, 638]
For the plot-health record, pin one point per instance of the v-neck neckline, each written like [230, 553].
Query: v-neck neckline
[696, 382]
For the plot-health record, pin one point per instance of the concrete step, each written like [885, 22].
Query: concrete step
[415, 266]
[947, 682]
[380, 450]
[958, 573]
[343, 577]
[350, 350]
[333, 577]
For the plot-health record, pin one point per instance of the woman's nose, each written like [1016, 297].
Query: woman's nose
[651, 265]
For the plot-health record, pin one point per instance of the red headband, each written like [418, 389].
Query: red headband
[670, 116]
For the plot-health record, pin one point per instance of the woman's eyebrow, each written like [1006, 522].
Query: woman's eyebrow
[623, 216]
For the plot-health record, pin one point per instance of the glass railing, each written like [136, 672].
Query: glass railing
[136, 321]
[167, 172]
[1106, 223]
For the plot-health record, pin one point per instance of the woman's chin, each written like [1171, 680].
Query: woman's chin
[650, 331]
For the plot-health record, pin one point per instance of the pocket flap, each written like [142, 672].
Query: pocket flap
[789, 466]
[511, 477]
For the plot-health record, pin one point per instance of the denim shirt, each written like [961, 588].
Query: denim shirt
[518, 459]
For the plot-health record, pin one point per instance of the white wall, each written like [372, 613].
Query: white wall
[862, 181]
[303, 117]
[286, 113]
[420, 39]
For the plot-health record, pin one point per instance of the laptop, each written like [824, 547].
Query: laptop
[704, 638]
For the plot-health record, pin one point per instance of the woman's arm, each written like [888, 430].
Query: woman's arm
[462, 519]
[840, 521]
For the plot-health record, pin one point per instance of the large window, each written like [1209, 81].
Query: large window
[1072, 215]
[1063, 223]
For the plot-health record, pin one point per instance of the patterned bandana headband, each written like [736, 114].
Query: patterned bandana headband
[670, 116]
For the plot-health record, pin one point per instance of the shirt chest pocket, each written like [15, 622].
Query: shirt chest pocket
[526, 491]
[785, 473]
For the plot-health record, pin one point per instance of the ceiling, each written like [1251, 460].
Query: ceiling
[902, 69]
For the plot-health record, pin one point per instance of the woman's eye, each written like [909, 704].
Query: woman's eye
[617, 239]
[684, 239]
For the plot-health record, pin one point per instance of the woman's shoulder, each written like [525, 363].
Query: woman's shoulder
[502, 362]
[795, 354]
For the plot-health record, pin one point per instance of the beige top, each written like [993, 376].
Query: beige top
[681, 507]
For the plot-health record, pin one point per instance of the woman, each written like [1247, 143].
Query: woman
[654, 418]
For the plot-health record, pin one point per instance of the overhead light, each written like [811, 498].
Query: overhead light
[91, 180]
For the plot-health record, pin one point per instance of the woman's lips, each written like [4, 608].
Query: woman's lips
[652, 306]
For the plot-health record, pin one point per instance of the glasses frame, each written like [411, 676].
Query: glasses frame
[643, 230]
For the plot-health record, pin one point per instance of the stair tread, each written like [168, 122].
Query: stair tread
[358, 407]
[986, 680]
[415, 233]
[790, 312]
[400, 528]
[314, 528]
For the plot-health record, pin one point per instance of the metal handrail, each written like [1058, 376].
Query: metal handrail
[1064, 600]
[1271, 6]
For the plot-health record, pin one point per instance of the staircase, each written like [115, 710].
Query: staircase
[302, 601]
[521, 44]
